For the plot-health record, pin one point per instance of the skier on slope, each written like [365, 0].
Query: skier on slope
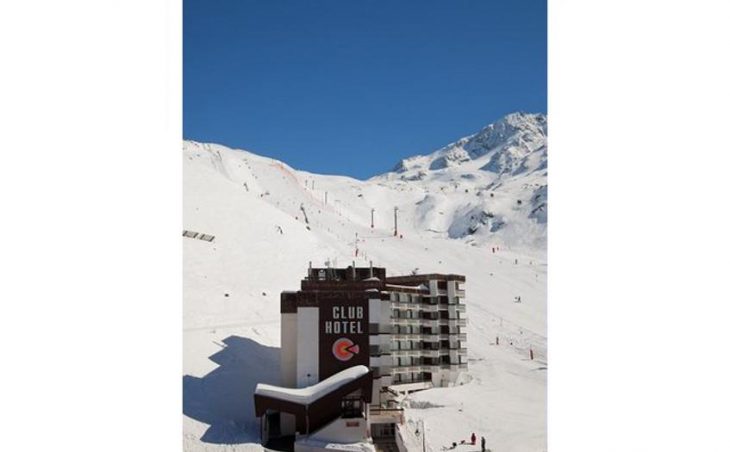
[473, 438]
[484, 444]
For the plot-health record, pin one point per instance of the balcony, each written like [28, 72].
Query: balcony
[429, 353]
[415, 368]
[452, 336]
[430, 323]
[403, 353]
[407, 336]
[453, 323]
[426, 307]
[406, 306]
[431, 337]
[404, 321]
[405, 369]
[421, 352]
[452, 366]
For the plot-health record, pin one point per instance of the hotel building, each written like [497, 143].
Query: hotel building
[409, 331]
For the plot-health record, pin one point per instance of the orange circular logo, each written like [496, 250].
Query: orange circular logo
[344, 349]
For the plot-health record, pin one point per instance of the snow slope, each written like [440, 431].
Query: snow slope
[270, 220]
[484, 187]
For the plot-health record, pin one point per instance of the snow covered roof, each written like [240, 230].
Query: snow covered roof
[400, 286]
[351, 447]
[309, 394]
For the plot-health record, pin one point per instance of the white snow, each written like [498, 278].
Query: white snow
[351, 447]
[253, 207]
[309, 394]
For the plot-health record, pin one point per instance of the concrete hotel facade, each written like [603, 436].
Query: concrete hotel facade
[409, 330]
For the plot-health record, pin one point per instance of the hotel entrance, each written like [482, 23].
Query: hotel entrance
[384, 437]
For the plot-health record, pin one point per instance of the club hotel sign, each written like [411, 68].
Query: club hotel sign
[343, 336]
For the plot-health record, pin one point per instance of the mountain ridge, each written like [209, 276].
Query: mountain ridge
[487, 187]
[526, 132]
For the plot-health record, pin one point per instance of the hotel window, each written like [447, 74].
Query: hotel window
[351, 408]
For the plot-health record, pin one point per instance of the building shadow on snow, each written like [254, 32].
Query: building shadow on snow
[223, 398]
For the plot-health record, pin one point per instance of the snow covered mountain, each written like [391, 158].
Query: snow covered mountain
[489, 186]
[512, 145]
[475, 207]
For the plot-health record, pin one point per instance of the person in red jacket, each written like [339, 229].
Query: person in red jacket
[473, 438]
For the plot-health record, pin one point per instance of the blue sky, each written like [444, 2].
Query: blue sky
[351, 87]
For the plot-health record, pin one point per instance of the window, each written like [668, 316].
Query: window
[351, 408]
[383, 430]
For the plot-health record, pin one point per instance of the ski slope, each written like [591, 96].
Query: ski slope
[270, 220]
